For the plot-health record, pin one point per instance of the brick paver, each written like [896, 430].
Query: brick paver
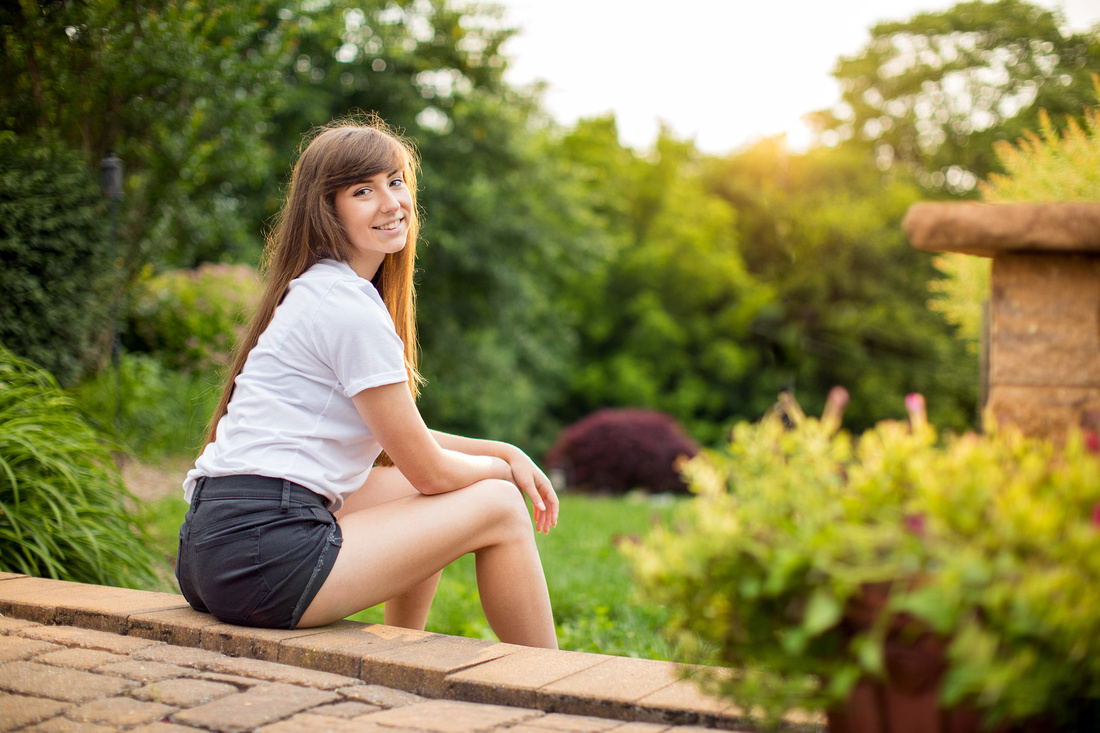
[347, 709]
[87, 639]
[123, 668]
[64, 725]
[79, 658]
[58, 683]
[310, 723]
[243, 641]
[119, 711]
[237, 681]
[379, 696]
[582, 723]
[422, 667]
[617, 679]
[684, 698]
[183, 693]
[645, 728]
[89, 606]
[250, 709]
[452, 716]
[273, 672]
[17, 711]
[343, 649]
[515, 678]
[13, 648]
[180, 626]
[10, 625]
[161, 727]
[142, 671]
[181, 656]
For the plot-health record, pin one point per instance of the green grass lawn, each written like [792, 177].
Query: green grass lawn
[590, 586]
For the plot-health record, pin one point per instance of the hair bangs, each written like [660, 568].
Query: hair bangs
[363, 153]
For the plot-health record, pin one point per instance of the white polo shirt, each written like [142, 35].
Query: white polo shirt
[291, 415]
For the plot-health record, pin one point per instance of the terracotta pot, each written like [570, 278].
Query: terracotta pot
[908, 700]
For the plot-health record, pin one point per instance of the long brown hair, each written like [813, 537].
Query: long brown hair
[308, 230]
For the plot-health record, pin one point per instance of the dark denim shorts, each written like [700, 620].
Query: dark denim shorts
[255, 550]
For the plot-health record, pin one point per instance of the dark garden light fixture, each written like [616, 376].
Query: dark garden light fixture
[111, 173]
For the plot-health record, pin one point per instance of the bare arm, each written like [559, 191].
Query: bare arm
[525, 474]
[435, 463]
[391, 415]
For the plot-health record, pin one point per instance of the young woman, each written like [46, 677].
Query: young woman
[289, 525]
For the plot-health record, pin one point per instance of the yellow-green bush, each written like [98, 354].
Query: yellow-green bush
[991, 541]
[1040, 167]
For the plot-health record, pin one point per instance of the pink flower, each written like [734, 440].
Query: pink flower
[834, 408]
[1092, 441]
[915, 523]
[918, 417]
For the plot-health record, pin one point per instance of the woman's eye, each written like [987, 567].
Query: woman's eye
[361, 192]
[397, 182]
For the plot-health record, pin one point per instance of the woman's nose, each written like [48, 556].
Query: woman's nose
[390, 202]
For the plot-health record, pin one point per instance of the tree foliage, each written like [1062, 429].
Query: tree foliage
[504, 227]
[665, 323]
[936, 91]
[823, 230]
[1042, 166]
[180, 90]
[560, 271]
[57, 258]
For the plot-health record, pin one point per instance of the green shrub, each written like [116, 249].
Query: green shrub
[56, 256]
[991, 542]
[64, 510]
[152, 411]
[191, 319]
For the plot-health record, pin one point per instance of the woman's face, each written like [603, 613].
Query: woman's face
[376, 214]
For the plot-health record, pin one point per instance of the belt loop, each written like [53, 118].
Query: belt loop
[197, 491]
[285, 506]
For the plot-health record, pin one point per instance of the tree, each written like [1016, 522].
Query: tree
[1040, 167]
[665, 323]
[934, 93]
[57, 257]
[505, 226]
[823, 230]
[180, 90]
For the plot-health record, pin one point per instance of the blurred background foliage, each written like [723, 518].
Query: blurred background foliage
[562, 272]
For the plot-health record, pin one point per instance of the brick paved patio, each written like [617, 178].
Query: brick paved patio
[77, 657]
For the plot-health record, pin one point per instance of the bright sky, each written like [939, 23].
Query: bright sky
[723, 72]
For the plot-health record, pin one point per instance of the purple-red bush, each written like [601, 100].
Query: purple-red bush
[616, 450]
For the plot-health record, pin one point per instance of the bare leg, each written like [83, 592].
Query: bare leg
[410, 609]
[393, 548]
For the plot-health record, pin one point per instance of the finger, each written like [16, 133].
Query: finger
[552, 503]
[526, 484]
[542, 522]
[536, 498]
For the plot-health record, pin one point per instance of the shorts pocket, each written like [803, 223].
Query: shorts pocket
[183, 574]
[231, 582]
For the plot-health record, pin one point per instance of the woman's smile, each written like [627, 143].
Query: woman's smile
[375, 214]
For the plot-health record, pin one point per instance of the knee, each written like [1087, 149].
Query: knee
[504, 505]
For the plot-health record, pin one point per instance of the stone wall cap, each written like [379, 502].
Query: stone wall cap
[987, 230]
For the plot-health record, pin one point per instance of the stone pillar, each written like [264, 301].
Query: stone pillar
[1044, 371]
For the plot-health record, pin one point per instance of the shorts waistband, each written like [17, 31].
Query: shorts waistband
[252, 486]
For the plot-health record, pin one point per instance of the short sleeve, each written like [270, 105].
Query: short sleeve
[352, 333]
